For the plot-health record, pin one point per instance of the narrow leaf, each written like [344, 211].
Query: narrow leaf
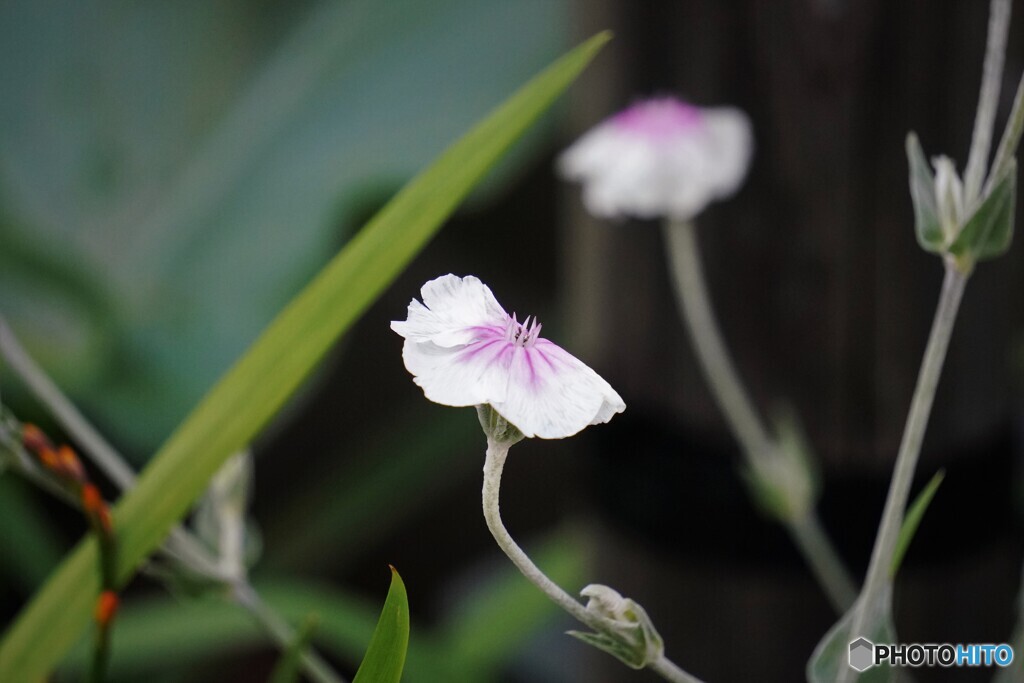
[989, 231]
[290, 663]
[256, 387]
[609, 645]
[385, 657]
[913, 519]
[1011, 137]
[927, 224]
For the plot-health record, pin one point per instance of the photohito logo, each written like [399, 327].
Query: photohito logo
[864, 654]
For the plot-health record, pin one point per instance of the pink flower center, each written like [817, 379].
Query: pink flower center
[660, 118]
[522, 333]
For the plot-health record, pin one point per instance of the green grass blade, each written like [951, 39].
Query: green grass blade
[385, 656]
[256, 387]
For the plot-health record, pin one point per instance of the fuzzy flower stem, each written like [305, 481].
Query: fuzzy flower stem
[988, 99]
[493, 467]
[734, 402]
[668, 670]
[879, 570]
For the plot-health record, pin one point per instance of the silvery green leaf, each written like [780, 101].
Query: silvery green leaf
[989, 232]
[628, 634]
[927, 222]
[830, 661]
[616, 648]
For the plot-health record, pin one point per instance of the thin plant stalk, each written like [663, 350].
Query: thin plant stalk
[955, 280]
[738, 409]
[879, 569]
[101, 655]
[64, 411]
[1010, 140]
[828, 569]
[988, 99]
[493, 467]
[695, 302]
[312, 663]
[181, 544]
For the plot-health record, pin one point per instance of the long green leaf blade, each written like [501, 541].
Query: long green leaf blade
[385, 656]
[256, 387]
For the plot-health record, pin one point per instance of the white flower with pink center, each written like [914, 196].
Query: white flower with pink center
[463, 349]
[660, 158]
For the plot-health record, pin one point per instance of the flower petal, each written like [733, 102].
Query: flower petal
[730, 142]
[552, 394]
[460, 376]
[452, 313]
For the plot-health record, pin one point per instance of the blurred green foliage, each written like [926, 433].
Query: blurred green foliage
[258, 384]
[180, 638]
[170, 174]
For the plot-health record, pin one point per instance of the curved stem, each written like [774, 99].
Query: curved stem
[738, 409]
[879, 571]
[493, 467]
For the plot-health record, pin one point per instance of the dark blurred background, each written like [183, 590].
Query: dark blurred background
[170, 175]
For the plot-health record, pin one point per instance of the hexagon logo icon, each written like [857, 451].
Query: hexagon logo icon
[862, 654]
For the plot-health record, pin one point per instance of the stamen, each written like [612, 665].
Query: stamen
[522, 333]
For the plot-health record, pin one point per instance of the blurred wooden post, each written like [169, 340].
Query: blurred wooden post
[825, 300]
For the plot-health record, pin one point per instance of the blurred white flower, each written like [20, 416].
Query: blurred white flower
[660, 158]
[463, 349]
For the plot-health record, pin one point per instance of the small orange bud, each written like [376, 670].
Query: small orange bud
[33, 439]
[106, 608]
[70, 463]
[95, 508]
[50, 460]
